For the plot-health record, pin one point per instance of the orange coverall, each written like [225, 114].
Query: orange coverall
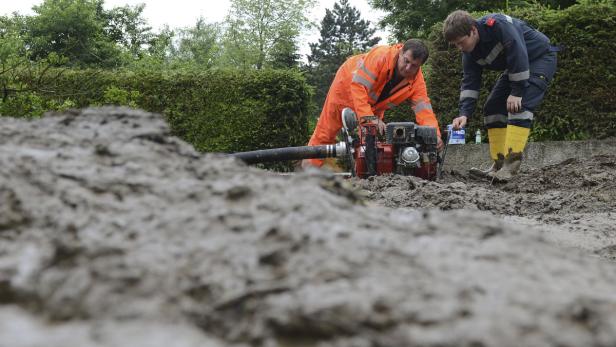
[358, 85]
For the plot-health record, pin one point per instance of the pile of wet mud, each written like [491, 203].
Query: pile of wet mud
[115, 233]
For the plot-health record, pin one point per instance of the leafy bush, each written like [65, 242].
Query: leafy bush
[215, 110]
[28, 104]
[117, 96]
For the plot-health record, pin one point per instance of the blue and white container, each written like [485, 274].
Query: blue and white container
[456, 137]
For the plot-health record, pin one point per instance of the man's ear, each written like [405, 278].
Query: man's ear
[474, 31]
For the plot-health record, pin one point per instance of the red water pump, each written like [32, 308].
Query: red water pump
[407, 149]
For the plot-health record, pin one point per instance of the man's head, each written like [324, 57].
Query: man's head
[460, 29]
[412, 55]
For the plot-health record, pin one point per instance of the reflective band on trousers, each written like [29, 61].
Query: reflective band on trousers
[526, 115]
[520, 76]
[495, 118]
[493, 54]
[422, 106]
[357, 78]
[469, 94]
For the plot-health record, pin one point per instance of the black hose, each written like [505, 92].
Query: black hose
[287, 153]
[370, 155]
[439, 175]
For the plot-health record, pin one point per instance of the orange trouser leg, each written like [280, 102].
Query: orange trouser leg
[326, 130]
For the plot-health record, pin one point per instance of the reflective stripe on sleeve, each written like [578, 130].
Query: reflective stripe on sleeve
[520, 76]
[469, 94]
[358, 79]
[422, 106]
[368, 72]
[498, 48]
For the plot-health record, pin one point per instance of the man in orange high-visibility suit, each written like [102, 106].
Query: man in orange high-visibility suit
[372, 83]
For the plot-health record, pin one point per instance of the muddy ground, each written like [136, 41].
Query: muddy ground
[572, 203]
[115, 233]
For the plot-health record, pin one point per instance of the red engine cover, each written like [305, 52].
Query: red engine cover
[385, 163]
[384, 160]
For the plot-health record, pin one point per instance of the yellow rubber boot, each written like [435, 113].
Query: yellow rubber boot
[496, 137]
[515, 142]
[517, 137]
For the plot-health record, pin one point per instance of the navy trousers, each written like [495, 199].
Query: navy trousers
[495, 110]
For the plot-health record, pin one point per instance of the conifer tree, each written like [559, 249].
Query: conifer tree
[343, 34]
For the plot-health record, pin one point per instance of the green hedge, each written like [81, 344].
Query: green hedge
[580, 102]
[214, 110]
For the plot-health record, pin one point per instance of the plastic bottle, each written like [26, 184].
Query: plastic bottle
[478, 136]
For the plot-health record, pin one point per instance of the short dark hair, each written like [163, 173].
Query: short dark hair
[418, 48]
[459, 23]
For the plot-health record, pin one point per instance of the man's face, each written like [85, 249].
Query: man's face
[468, 42]
[407, 66]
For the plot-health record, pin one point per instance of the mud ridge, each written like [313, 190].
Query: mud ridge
[115, 233]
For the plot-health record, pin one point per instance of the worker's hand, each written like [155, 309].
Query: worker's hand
[380, 125]
[458, 122]
[514, 104]
[439, 144]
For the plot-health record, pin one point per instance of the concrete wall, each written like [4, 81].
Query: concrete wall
[537, 154]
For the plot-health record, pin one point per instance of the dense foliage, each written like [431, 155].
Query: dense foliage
[221, 111]
[414, 18]
[85, 33]
[263, 33]
[216, 103]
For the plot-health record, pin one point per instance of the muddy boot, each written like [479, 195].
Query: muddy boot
[509, 169]
[487, 173]
[514, 146]
[496, 138]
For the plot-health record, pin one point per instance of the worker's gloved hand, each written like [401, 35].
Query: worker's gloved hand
[380, 125]
[459, 122]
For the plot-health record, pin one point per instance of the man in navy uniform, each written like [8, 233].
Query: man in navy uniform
[500, 42]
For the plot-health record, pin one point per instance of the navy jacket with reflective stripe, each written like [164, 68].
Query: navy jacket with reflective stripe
[505, 43]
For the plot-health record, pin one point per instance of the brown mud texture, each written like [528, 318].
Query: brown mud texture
[113, 232]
